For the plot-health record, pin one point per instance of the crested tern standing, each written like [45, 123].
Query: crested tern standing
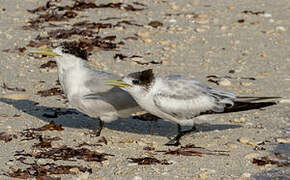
[85, 88]
[174, 98]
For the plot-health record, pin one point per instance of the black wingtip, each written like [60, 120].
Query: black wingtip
[257, 98]
[246, 106]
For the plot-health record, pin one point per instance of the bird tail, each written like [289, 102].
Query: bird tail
[225, 99]
[255, 98]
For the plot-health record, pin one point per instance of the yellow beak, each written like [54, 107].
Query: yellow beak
[47, 52]
[117, 83]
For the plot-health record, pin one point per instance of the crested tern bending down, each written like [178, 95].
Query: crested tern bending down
[85, 88]
[174, 98]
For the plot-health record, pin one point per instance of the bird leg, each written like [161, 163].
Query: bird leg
[176, 139]
[99, 130]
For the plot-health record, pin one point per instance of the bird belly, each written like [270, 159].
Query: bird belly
[94, 108]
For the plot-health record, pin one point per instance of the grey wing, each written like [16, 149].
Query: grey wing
[186, 98]
[193, 84]
[96, 81]
[118, 98]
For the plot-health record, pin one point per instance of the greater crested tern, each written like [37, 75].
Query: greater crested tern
[85, 88]
[174, 98]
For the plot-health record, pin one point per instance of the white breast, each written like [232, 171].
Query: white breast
[74, 81]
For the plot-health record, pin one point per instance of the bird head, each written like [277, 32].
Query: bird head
[66, 53]
[135, 83]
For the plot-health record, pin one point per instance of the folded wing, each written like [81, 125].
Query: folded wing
[186, 98]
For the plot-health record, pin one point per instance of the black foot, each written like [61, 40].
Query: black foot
[176, 139]
[99, 130]
[173, 142]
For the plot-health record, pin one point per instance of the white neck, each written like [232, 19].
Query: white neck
[71, 72]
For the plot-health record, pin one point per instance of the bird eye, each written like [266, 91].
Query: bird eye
[135, 81]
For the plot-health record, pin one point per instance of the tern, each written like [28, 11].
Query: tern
[174, 98]
[85, 87]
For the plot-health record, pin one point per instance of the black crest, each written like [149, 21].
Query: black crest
[143, 78]
[71, 48]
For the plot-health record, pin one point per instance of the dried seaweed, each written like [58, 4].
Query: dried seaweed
[192, 150]
[49, 64]
[120, 56]
[41, 171]
[29, 134]
[40, 43]
[4, 136]
[21, 174]
[66, 33]
[127, 23]
[51, 126]
[155, 24]
[140, 4]
[253, 12]
[241, 21]
[127, 7]
[232, 71]
[100, 43]
[149, 161]
[109, 38]
[3, 115]
[43, 143]
[131, 38]
[277, 159]
[80, 5]
[54, 16]
[110, 18]
[4, 86]
[148, 148]
[68, 153]
[213, 81]
[15, 50]
[194, 15]
[124, 57]
[50, 92]
[34, 24]
[52, 11]
[87, 144]
[90, 44]
[92, 25]
[47, 6]
[47, 178]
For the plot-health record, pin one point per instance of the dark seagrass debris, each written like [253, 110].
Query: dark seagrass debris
[4, 136]
[192, 150]
[149, 161]
[276, 159]
[51, 126]
[50, 92]
[4, 86]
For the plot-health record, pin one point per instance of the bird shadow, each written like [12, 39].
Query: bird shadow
[68, 117]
